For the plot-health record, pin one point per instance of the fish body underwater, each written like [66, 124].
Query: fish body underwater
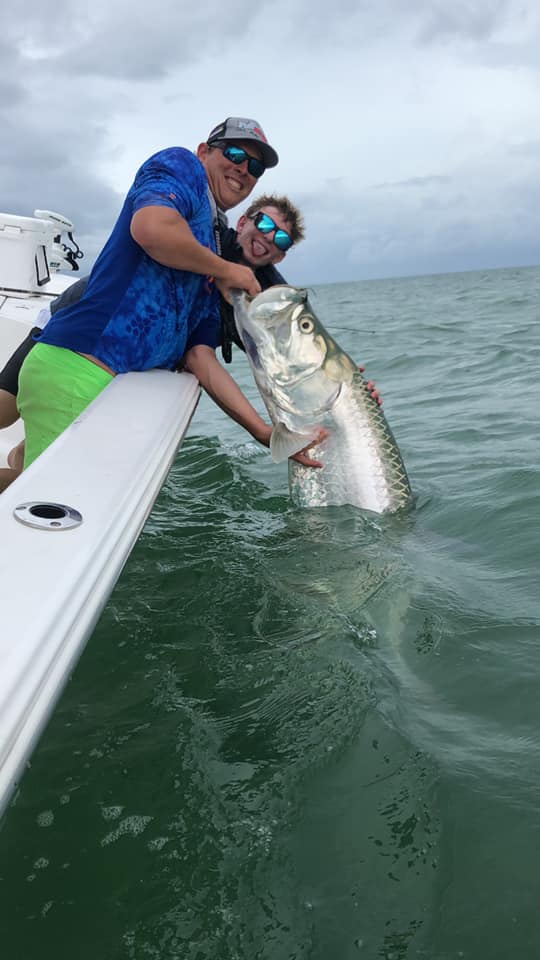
[306, 381]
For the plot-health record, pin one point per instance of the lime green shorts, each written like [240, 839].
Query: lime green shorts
[55, 385]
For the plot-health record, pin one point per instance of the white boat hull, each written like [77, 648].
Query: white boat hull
[109, 465]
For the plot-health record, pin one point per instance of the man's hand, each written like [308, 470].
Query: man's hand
[374, 393]
[372, 389]
[234, 276]
[303, 458]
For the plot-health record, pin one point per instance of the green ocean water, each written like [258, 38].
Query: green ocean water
[301, 735]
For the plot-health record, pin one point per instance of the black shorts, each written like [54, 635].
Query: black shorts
[9, 376]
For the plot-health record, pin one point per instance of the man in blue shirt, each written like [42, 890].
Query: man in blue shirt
[253, 243]
[151, 299]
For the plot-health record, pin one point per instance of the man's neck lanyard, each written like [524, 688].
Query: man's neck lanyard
[219, 221]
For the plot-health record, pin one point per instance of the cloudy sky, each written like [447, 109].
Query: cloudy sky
[409, 132]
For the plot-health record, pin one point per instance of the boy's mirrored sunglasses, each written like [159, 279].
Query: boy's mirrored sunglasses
[265, 224]
[237, 155]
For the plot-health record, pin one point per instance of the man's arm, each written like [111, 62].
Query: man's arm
[166, 237]
[201, 361]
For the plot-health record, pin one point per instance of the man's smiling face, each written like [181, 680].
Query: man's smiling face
[259, 249]
[229, 182]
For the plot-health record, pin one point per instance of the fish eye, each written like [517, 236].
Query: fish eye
[306, 325]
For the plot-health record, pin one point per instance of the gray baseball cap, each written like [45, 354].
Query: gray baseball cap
[241, 128]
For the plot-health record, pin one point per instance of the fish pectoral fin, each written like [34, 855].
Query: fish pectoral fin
[284, 442]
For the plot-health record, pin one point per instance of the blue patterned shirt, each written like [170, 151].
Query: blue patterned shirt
[137, 314]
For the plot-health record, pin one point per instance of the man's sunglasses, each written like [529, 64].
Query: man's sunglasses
[237, 155]
[265, 224]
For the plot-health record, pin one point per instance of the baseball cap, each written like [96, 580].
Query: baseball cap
[241, 128]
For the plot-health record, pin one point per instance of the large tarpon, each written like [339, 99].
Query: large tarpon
[306, 381]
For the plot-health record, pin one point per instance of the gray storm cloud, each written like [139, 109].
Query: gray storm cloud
[408, 132]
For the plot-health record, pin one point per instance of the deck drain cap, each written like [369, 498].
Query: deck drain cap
[47, 516]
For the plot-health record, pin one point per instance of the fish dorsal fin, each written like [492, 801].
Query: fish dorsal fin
[284, 442]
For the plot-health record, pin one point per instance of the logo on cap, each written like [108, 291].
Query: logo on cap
[251, 126]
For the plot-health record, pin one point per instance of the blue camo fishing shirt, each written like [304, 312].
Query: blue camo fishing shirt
[137, 314]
